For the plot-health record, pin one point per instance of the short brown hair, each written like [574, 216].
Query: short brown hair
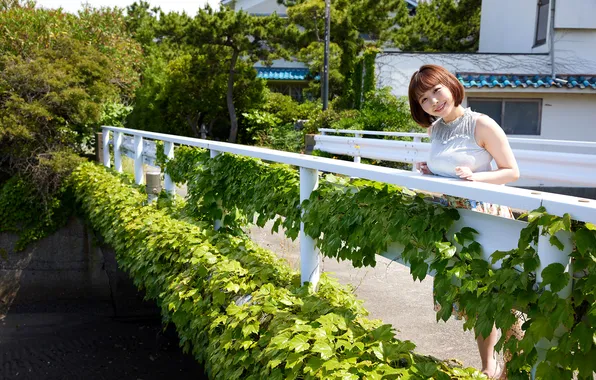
[423, 80]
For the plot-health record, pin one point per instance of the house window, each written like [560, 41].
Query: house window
[541, 22]
[515, 116]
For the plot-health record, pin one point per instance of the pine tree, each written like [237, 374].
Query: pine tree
[248, 38]
[440, 25]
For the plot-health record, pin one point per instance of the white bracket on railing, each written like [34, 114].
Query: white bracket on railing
[138, 160]
[118, 139]
[417, 139]
[310, 269]
[217, 224]
[106, 147]
[168, 149]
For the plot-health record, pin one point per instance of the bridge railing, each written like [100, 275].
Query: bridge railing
[539, 161]
[495, 233]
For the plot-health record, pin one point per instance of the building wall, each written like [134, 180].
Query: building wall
[575, 14]
[565, 116]
[508, 26]
[264, 7]
[575, 47]
[394, 69]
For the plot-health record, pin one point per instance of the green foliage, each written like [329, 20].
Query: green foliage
[288, 110]
[246, 38]
[440, 25]
[383, 111]
[256, 122]
[356, 219]
[61, 75]
[285, 137]
[380, 111]
[364, 76]
[237, 307]
[333, 118]
[350, 22]
[25, 213]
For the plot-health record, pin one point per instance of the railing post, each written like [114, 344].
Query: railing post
[310, 270]
[550, 254]
[217, 223]
[357, 159]
[138, 160]
[153, 185]
[118, 138]
[168, 149]
[416, 140]
[106, 147]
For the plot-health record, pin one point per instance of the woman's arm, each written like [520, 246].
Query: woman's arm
[491, 137]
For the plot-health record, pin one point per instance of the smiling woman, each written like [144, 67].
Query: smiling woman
[463, 145]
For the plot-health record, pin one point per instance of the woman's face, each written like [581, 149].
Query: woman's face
[437, 101]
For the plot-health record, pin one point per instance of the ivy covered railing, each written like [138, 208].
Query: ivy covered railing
[490, 269]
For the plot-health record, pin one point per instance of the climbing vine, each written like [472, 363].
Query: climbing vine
[355, 219]
[238, 308]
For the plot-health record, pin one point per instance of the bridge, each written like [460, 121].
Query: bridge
[553, 245]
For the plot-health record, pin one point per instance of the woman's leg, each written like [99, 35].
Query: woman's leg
[486, 347]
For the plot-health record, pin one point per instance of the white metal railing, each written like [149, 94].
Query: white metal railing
[514, 140]
[495, 233]
[537, 167]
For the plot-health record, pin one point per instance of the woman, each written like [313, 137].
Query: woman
[464, 143]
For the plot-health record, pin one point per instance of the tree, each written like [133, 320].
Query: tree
[351, 22]
[246, 37]
[440, 25]
[57, 72]
[185, 80]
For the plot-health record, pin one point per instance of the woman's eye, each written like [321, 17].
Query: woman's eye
[422, 101]
[437, 89]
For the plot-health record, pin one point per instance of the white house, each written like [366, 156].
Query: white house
[510, 78]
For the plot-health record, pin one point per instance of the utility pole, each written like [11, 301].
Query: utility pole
[325, 92]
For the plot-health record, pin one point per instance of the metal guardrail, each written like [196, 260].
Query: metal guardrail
[536, 167]
[518, 140]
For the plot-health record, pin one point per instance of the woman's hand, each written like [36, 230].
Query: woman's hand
[423, 168]
[464, 172]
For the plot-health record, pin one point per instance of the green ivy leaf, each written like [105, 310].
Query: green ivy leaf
[299, 343]
[585, 240]
[426, 370]
[324, 349]
[555, 276]
[418, 269]
[556, 242]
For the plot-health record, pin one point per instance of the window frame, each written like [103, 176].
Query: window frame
[541, 3]
[539, 101]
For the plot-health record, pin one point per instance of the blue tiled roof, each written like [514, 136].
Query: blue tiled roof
[272, 73]
[525, 81]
